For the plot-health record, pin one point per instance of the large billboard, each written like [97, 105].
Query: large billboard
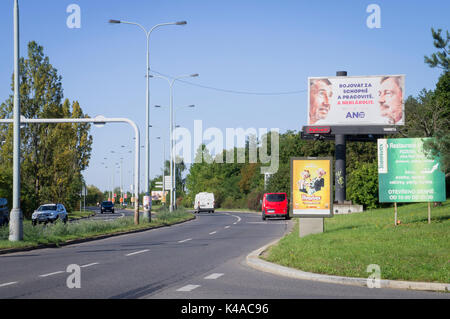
[356, 100]
[406, 174]
[311, 187]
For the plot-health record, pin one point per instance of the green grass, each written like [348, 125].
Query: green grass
[80, 214]
[59, 233]
[412, 251]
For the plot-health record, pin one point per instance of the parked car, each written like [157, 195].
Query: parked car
[204, 202]
[49, 213]
[4, 212]
[275, 205]
[107, 206]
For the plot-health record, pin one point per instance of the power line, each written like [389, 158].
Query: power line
[234, 91]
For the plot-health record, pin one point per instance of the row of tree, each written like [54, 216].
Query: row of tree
[53, 156]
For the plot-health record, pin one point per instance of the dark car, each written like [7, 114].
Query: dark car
[107, 207]
[4, 212]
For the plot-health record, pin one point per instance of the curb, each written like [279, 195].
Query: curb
[84, 240]
[253, 260]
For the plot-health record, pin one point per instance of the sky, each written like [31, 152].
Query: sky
[253, 58]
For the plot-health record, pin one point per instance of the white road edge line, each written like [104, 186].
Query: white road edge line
[8, 284]
[214, 276]
[188, 288]
[51, 274]
[184, 240]
[137, 252]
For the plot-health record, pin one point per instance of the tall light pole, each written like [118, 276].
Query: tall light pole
[147, 213]
[16, 216]
[171, 81]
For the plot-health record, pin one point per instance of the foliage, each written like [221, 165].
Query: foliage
[52, 155]
[362, 184]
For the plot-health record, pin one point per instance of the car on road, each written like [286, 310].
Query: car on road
[107, 206]
[4, 212]
[204, 202]
[49, 213]
[275, 205]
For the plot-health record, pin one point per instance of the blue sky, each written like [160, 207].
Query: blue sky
[256, 46]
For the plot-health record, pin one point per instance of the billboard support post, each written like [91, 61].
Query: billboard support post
[340, 147]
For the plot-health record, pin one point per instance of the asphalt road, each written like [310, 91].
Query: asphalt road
[203, 258]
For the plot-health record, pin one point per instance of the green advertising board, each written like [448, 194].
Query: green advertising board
[406, 174]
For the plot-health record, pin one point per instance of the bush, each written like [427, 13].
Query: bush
[362, 185]
[254, 199]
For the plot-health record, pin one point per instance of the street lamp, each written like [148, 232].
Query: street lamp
[147, 213]
[172, 172]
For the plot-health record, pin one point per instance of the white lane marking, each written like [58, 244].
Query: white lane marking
[227, 227]
[184, 240]
[239, 219]
[137, 252]
[89, 265]
[8, 284]
[188, 288]
[52, 273]
[214, 276]
[213, 232]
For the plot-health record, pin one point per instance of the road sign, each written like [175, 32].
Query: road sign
[407, 174]
[168, 182]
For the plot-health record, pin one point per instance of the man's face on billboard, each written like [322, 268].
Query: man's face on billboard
[390, 99]
[320, 97]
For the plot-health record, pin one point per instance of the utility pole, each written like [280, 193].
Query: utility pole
[16, 216]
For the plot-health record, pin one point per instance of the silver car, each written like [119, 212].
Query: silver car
[49, 213]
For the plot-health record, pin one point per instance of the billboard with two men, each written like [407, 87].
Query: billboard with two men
[356, 100]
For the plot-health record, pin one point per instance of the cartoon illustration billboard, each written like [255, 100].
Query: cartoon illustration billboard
[311, 187]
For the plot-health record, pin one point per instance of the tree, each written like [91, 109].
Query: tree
[52, 156]
[441, 59]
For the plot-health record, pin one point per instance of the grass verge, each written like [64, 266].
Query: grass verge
[411, 251]
[59, 233]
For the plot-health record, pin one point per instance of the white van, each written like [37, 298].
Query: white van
[204, 202]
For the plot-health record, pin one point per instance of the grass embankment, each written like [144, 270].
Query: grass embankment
[59, 233]
[411, 251]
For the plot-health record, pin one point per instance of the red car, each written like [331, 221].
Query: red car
[275, 205]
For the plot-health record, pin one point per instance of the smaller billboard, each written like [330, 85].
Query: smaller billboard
[158, 195]
[311, 187]
[356, 100]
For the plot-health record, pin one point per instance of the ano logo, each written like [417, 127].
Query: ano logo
[355, 115]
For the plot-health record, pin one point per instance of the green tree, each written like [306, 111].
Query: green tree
[52, 156]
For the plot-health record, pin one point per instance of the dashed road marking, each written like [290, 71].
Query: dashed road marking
[8, 284]
[89, 265]
[184, 240]
[188, 288]
[214, 276]
[213, 232]
[51, 274]
[137, 252]
[227, 227]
